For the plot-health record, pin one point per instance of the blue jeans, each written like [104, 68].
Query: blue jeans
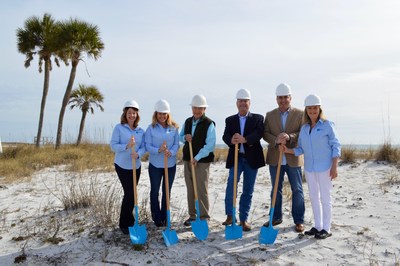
[295, 180]
[249, 179]
[159, 214]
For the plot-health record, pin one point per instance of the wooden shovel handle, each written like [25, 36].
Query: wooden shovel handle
[135, 198]
[278, 172]
[166, 179]
[235, 173]
[193, 172]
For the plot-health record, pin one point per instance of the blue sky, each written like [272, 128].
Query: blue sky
[345, 51]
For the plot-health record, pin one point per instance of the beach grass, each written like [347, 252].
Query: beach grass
[22, 160]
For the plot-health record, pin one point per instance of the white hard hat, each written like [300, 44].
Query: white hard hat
[162, 106]
[199, 101]
[312, 100]
[283, 90]
[243, 94]
[132, 104]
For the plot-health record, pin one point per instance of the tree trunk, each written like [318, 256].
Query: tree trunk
[44, 97]
[65, 102]
[81, 127]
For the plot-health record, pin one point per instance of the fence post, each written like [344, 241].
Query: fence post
[1, 147]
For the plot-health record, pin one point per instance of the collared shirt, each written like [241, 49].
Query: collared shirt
[121, 136]
[319, 146]
[242, 120]
[155, 137]
[210, 139]
[284, 116]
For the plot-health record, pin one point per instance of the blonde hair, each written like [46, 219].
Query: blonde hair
[170, 122]
[125, 121]
[306, 118]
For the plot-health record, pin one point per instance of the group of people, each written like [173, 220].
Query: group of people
[289, 132]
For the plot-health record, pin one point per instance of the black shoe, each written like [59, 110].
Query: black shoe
[124, 230]
[189, 221]
[322, 234]
[159, 223]
[312, 232]
[274, 222]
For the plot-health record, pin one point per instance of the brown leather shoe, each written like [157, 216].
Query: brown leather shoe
[299, 228]
[228, 220]
[246, 226]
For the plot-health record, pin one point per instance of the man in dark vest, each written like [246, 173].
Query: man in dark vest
[200, 131]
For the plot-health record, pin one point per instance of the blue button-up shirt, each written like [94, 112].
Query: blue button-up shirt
[319, 146]
[242, 121]
[121, 136]
[155, 137]
[284, 116]
[210, 139]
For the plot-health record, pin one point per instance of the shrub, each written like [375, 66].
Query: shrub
[348, 155]
[388, 153]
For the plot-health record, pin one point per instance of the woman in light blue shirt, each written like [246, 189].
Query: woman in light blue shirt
[125, 136]
[161, 139]
[321, 148]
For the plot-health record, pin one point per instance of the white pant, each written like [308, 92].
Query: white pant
[320, 188]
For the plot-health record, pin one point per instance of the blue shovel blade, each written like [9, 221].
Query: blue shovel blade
[233, 231]
[138, 234]
[200, 228]
[170, 237]
[268, 234]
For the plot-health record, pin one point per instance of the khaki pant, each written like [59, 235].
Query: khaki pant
[202, 171]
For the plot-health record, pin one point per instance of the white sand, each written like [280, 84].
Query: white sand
[365, 228]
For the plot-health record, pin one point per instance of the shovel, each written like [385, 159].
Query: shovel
[170, 236]
[268, 234]
[137, 233]
[234, 231]
[199, 227]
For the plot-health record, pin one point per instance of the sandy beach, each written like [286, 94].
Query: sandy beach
[365, 228]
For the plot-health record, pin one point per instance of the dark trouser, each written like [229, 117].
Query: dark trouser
[156, 177]
[126, 218]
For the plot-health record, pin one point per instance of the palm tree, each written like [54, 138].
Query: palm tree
[85, 98]
[79, 38]
[39, 37]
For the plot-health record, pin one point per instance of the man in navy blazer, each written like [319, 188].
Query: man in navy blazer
[245, 129]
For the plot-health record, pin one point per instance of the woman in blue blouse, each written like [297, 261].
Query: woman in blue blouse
[321, 148]
[125, 136]
[162, 139]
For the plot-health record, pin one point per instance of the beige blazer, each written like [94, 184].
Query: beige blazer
[272, 128]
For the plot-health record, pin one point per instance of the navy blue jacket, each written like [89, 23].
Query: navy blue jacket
[253, 132]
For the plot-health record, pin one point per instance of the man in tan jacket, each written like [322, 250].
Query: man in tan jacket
[282, 126]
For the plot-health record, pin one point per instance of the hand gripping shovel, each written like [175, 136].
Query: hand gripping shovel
[137, 233]
[234, 231]
[170, 236]
[268, 234]
[199, 227]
